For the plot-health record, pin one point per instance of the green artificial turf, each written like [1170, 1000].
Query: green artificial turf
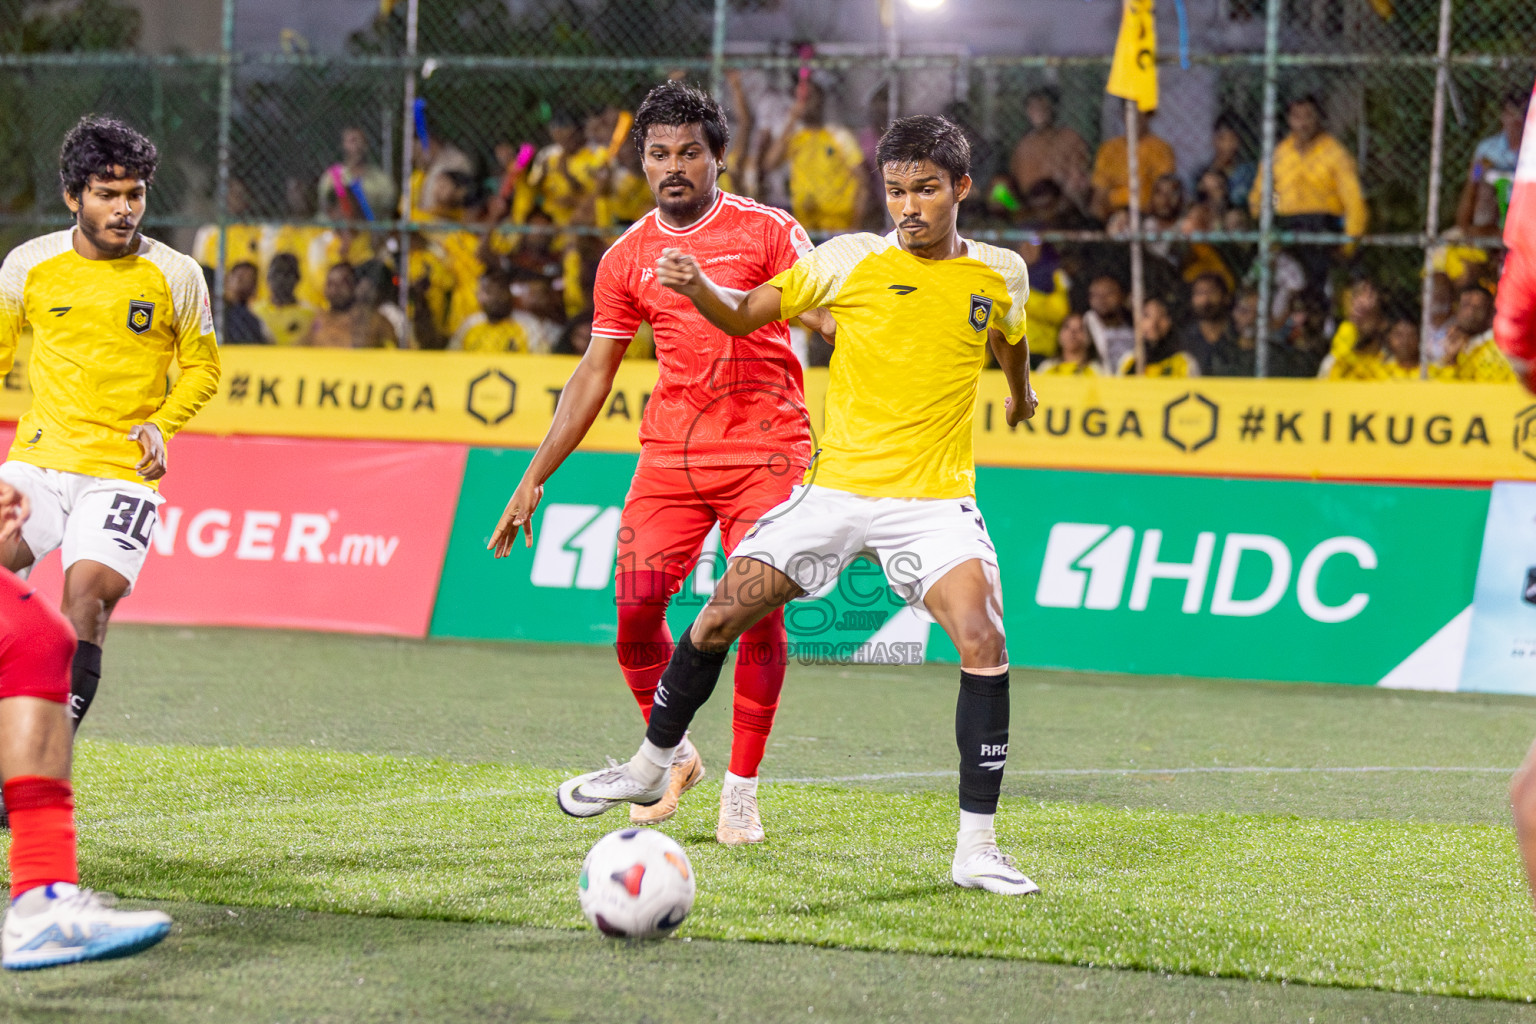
[1414, 907]
[237, 964]
[224, 765]
[563, 706]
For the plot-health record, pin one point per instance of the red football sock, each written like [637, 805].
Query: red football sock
[760, 661]
[42, 814]
[645, 642]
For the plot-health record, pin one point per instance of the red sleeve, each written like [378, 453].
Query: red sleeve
[1514, 326]
[787, 242]
[614, 311]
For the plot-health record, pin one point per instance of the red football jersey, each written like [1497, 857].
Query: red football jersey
[719, 401]
[1515, 325]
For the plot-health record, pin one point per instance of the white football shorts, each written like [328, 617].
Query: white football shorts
[92, 518]
[813, 535]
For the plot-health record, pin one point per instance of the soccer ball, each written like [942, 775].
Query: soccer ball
[636, 884]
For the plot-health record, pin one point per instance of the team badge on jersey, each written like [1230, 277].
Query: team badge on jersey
[141, 315]
[981, 312]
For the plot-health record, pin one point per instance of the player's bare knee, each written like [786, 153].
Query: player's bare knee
[980, 644]
[89, 615]
[715, 629]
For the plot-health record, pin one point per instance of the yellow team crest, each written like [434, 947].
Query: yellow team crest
[981, 312]
[141, 316]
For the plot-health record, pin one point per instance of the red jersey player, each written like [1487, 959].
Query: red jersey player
[724, 436]
[1514, 328]
[50, 920]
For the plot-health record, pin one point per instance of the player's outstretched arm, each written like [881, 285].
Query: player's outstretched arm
[1013, 360]
[735, 312]
[580, 402]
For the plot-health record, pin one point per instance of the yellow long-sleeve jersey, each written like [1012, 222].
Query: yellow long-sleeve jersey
[105, 334]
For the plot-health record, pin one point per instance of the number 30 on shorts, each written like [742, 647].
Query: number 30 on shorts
[133, 517]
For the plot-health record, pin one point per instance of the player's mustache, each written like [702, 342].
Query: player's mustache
[914, 224]
[670, 182]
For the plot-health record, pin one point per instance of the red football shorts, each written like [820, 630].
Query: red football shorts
[669, 512]
[37, 644]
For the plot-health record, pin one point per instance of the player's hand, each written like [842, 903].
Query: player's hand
[14, 510]
[152, 465]
[517, 516]
[1018, 411]
[680, 272]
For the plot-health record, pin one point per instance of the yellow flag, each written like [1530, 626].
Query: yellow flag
[1133, 73]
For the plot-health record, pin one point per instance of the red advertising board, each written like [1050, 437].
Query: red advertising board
[287, 532]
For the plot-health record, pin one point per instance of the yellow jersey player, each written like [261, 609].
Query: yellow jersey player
[895, 477]
[112, 313]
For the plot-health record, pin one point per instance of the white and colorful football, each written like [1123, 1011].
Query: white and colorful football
[636, 884]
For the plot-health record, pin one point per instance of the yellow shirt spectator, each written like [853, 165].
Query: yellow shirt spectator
[1397, 371]
[244, 245]
[1352, 365]
[1177, 365]
[1482, 362]
[1063, 368]
[329, 248]
[1154, 158]
[1321, 179]
[629, 199]
[824, 177]
[556, 182]
[288, 325]
[480, 334]
[294, 240]
[1046, 311]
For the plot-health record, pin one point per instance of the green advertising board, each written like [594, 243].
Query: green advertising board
[1256, 579]
[1110, 572]
[561, 589]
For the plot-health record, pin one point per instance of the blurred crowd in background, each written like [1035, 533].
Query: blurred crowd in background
[506, 243]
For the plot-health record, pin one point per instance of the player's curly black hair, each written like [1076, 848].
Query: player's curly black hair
[677, 103]
[911, 140]
[96, 146]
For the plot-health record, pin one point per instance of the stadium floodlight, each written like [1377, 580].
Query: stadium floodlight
[925, 5]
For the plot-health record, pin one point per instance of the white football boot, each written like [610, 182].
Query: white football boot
[587, 796]
[739, 822]
[979, 864]
[65, 924]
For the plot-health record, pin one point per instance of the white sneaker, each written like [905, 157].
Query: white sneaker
[64, 924]
[587, 796]
[739, 823]
[979, 864]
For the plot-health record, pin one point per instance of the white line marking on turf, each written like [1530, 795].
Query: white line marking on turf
[1212, 770]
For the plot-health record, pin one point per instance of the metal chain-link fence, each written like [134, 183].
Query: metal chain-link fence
[406, 132]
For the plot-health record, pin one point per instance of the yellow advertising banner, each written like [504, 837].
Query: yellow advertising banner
[1223, 427]
[1307, 429]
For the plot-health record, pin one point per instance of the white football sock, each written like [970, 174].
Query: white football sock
[750, 785]
[652, 763]
[973, 822]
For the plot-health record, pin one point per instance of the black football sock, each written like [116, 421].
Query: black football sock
[689, 679]
[84, 679]
[981, 732]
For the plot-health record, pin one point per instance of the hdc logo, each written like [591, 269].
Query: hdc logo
[1086, 566]
[577, 545]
